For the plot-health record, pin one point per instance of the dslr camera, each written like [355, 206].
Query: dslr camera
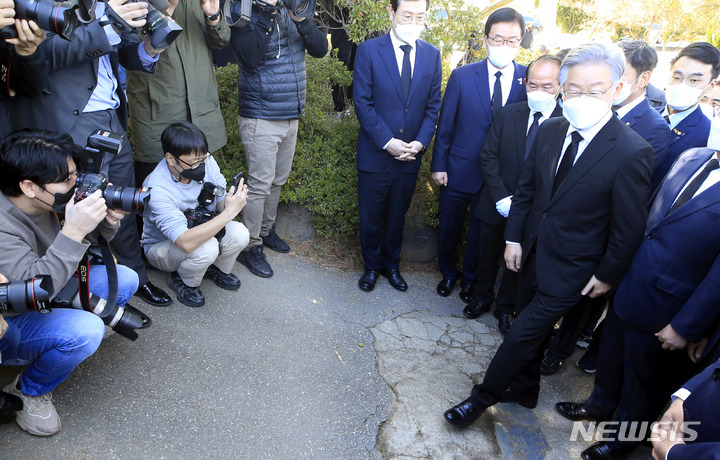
[162, 31]
[26, 296]
[242, 9]
[60, 18]
[90, 179]
[202, 213]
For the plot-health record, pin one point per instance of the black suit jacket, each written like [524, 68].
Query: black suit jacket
[502, 157]
[594, 222]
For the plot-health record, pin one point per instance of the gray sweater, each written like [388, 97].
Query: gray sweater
[33, 245]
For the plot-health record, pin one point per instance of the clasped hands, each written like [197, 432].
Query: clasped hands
[403, 151]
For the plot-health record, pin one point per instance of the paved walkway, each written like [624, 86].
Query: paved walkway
[301, 365]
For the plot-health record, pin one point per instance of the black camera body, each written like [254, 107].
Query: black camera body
[202, 214]
[242, 9]
[26, 295]
[162, 31]
[90, 179]
[60, 18]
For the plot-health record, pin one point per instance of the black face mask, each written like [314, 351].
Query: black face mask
[197, 174]
[60, 199]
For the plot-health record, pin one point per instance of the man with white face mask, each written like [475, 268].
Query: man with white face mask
[579, 212]
[474, 95]
[396, 86]
[508, 142]
[692, 76]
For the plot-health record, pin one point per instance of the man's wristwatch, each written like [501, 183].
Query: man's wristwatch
[214, 16]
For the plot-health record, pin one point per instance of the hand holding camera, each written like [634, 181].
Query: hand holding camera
[84, 216]
[29, 37]
[7, 13]
[133, 13]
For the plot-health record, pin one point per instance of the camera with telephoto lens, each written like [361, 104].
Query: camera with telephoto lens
[60, 18]
[161, 30]
[242, 9]
[90, 179]
[26, 295]
[202, 214]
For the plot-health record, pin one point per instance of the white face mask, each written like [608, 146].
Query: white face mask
[714, 139]
[708, 110]
[585, 112]
[682, 97]
[625, 92]
[501, 56]
[540, 101]
[408, 33]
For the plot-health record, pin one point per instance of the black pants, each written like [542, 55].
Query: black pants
[587, 310]
[126, 244]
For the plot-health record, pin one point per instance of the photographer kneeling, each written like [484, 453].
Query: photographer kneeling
[37, 180]
[189, 239]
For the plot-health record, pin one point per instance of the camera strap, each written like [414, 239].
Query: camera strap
[84, 276]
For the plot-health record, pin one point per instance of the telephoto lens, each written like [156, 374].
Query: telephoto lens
[27, 295]
[127, 198]
[57, 17]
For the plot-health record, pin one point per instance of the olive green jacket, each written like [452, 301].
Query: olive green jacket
[183, 87]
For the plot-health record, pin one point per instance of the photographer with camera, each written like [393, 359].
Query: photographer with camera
[270, 52]
[190, 239]
[82, 95]
[23, 67]
[37, 180]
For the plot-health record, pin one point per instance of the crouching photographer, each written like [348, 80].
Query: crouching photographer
[37, 179]
[189, 239]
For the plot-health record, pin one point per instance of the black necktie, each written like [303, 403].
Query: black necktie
[532, 132]
[694, 186]
[667, 118]
[406, 74]
[567, 161]
[497, 94]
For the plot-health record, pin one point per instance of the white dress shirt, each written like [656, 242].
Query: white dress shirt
[712, 179]
[624, 110]
[400, 54]
[587, 137]
[677, 117]
[506, 79]
[545, 115]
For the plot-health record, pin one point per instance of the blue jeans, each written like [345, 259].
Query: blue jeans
[53, 344]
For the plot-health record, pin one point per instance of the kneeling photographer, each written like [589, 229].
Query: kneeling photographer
[37, 180]
[182, 235]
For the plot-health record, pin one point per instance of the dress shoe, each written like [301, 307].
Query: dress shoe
[445, 287]
[274, 242]
[368, 280]
[464, 414]
[504, 323]
[513, 397]
[146, 321]
[551, 364]
[576, 412]
[396, 280]
[255, 261]
[475, 309]
[467, 291]
[605, 451]
[153, 295]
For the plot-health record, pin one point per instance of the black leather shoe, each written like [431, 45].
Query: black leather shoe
[551, 364]
[512, 397]
[464, 414]
[153, 295]
[467, 291]
[576, 412]
[396, 280]
[254, 260]
[504, 323]
[445, 287]
[604, 451]
[368, 280]
[146, 321]
[475, 309]
[274, 242]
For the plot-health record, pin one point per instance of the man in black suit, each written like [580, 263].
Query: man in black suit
[506, 146]
[579, 211]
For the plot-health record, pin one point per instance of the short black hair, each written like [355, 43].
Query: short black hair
[394, 4]
[506, 14]
[183, 138]
[639, 54]
[703, 52]
[36, 155]
[544, 58]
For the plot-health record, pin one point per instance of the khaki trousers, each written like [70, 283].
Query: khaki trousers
[269, 149]
[191, 267]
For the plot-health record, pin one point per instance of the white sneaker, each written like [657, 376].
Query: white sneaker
[38, 416]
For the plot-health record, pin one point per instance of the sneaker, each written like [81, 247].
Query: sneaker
[587, 363]
[226, 281]
[254, 260]
[550, 364]
[190, 296]
[38, 415]
[583, 341]
[273, 241]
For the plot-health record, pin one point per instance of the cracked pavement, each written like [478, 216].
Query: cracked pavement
[300, 365]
